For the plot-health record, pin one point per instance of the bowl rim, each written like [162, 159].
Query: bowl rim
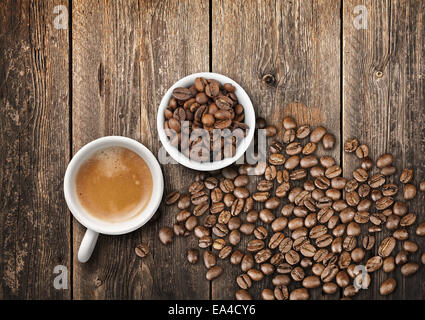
[215, 165]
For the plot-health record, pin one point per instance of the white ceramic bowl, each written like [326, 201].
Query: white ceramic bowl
[243, 99]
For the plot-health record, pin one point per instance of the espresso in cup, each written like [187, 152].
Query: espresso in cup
[114, 184]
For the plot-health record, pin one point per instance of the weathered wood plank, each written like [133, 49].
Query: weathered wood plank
[126, 55]
[34, 152]
[174, 43]
[297, 44]
[383, 98]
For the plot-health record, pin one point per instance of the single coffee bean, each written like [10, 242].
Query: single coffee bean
[401, 257]
[317, 134]
[376, 181]
[351, 145]
[386, 247]
[142, 250]
[244, 281]
[388, 171]
[329, 273]
[205, 242]
[236, 257]
[192, 256]
[362, 151]
[297, 274]
[422, 186]
[303, 131]
[210, 259]
[288, 136]
[330, 288]
[267, 268]
[289, 123]
[387, 287]
[400, 208]
[225, 252]
[401, 234]
[293, 148]
[366, 163]
[247, 228]
[374, 263]
[328, 141]
[309, 148]
[409, 191]
[410, 246]
[270, 131]
[242, 295]
[299, 294]
[292, 257]
[281, 292]
[406, 176]
[213, 273]
[360, 175]
[263, 255]
[409, 269]
[388, 264]
[166, 235]
[408, 220]
[267, 294]
[420, 230]
[423, 258]
[342, 279]
[218, 244]
[255, 275]
[358, 254]
[384, 203]
[384, 160]
[349, 291]
[317, 269]
[172, 197]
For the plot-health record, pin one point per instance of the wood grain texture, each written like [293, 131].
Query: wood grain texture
[125, 56]
[293, 43]
[174, 43]
[34, 150]
[383, 103]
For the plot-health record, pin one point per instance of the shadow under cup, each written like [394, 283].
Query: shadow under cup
[104, 226]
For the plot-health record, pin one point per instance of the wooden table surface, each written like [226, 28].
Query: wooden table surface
[105, 74]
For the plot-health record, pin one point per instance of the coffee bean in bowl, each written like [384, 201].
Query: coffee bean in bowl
[205, 121]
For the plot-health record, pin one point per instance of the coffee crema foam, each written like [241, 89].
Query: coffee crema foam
[115, 184]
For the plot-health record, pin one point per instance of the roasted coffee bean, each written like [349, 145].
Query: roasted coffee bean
[299, 294]
[289, 123]
[389, 190]
[236, 257]
[351, 185]
[279, 224]
[255, 275]
[166, 235]
[261, 196]
[327, 161]
[210, 221]
[182, 94]
[368, 242]
[199, 197]
[328, 141]
[375, 195]
[330, 288]
[400, 208]
[213, 273]
[266, 216]
[172, 197]
[271, 203]
[410, 246]
[293, 148]
[329, 273]
[297, 274]
[288, 136]
[366, 163]
[303, 132]
[309, 161]
[386, 247]
[247, 262]
[281, 292]
[263, 255]
[142, 250]
[270, 131]
[384, 160]
[353, 229]
[374, 264]
[392, 222]
[342, 279]
[363, 190]
[401, 234]
[255, 245]
[191, 223]
[242, 295]
[376, 181]
[408, 219]
[205, 242]
[276, 147]
[267, 294]
[351, 145]
[378, 219]
[384, 203]
[388, 171]
[192, 256]
[270, 173]
[308, 250]
[309, 148]
[225, 252]
[361, 217]
[201, 231]
[292, 257]
[210, 259]
[324, 241]
[409, 191]
[401, 257]
[244, 281]
[422, 186]
[349, 243]
[277, 159]
[406, 176]
[333, 172]
[267, 268]
[388, 265]
[423, 258]
[362, 151]
[219, 244]
[387, 287]
[325, 214]
[247, 228]
[420, 230]
[317, 134]
[360, 175]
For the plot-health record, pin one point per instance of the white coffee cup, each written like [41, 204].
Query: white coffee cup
[94, 225]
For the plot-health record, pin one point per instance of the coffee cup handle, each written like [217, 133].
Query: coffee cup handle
[87, 245]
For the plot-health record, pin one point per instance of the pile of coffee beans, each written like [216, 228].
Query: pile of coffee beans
[306, 225]
[210, 106]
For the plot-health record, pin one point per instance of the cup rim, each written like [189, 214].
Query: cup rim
[96, 224]
[215, 165]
